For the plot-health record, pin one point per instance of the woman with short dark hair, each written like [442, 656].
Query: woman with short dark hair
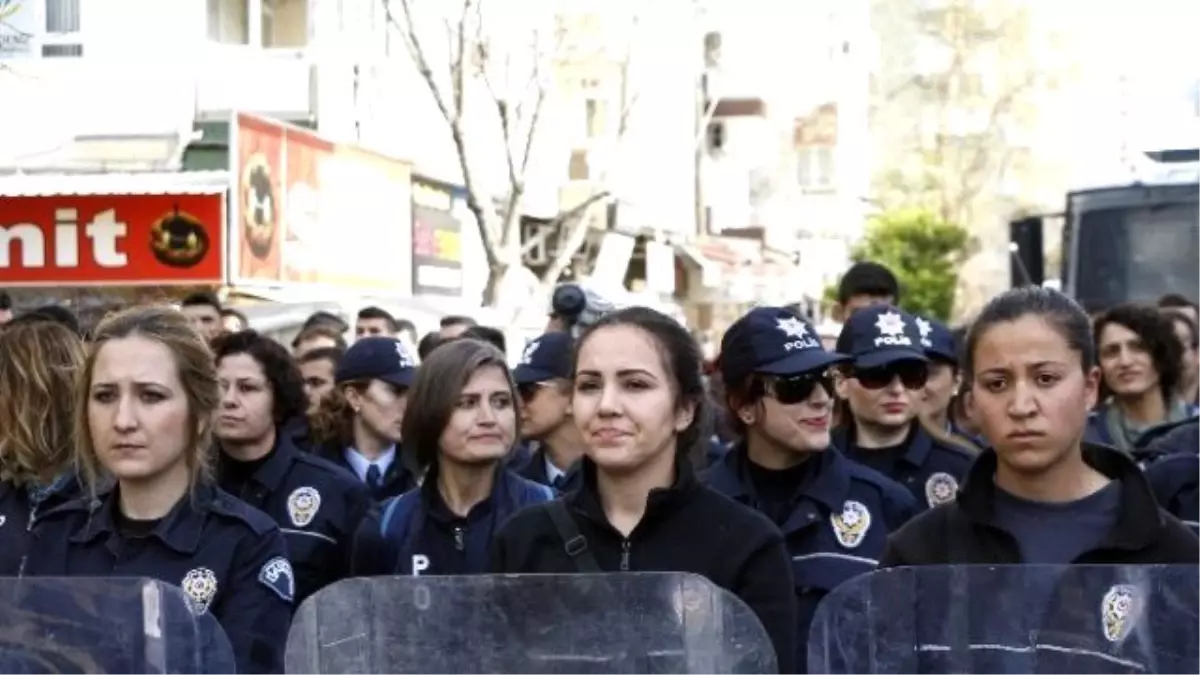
[461, 422]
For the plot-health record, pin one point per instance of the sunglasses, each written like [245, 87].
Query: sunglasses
[794, 389]
[529, 390]
[912, 374]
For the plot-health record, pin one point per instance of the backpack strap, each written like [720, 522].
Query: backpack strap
[574, 543]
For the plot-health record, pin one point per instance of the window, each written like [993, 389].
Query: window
[578, 168]
[814, 167]
[229, 21]
[62, 29]
[597, 118]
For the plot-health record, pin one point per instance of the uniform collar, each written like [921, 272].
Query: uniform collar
[917, 444]
[659, 502]
[1139, 519]
[274, 469]
[436, 504]
[180, 530]
[828, 482]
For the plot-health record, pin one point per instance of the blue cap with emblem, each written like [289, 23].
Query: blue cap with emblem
[546, 357]
[878, 335]
[377, 358]
[775, 341]
[937, 339]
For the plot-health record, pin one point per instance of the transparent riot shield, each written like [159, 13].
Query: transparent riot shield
[108, 625]
[1011, 619]
[605, 623]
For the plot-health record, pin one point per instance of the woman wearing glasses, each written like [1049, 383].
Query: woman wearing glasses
[835, 515]
[882, 386]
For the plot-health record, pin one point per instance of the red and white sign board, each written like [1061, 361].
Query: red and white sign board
[117, 239]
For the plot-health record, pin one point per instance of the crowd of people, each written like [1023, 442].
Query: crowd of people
[181, 445]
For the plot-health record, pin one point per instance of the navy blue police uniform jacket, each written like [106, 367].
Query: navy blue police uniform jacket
[421, 536]
[20, 509]
[534, 469]
[227, 557]
[400, 477]
[838, 526]
[1097, 431]
[931, 471]
[317, 505]
[1175, 480]
[1061, 607]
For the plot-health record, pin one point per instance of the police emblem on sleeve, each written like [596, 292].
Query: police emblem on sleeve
[940, 489]
[851, 525]
[1119, 611]
[302, 505]
[199, 588]
[277, 575]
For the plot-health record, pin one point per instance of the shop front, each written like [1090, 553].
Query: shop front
[95, 241]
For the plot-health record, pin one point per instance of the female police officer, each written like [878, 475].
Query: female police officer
[881, 387]
[462, 423]
[317, 504]
[143, 411]
[38, 364]
[835, 514]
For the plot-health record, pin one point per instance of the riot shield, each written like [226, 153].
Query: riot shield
[105, 625]
[1011, 619]
[603, 623]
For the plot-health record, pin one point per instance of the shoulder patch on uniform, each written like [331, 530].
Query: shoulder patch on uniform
[851, 525]
[1119, 611]
[199, 588]
[302, 505]
[276, 574]
[940, 488]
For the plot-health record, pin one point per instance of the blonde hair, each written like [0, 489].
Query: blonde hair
[39, 362]
[197, 375]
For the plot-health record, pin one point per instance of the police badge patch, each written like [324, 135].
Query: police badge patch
[302, 505]
[851, 525]
[940, 489]
[199, 588]
[1119, 611]
[277, 575]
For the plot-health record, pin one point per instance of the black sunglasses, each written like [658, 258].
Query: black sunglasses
[529, 390]
[792, 389]
[912, 374]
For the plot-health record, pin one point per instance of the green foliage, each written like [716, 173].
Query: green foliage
[923, 251]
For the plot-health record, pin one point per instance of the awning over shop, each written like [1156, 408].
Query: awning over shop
[138, 183]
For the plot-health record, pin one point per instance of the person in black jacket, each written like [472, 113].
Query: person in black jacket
[882, 390]
[1041, 495]
[38, 365]
[317, 504]
[462, 422]
[835, 514]
[543, 381]
[639, 399]
[1174, 472]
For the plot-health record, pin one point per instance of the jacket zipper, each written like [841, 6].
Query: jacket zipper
[28, 529]
[624, 555]
[458, 538]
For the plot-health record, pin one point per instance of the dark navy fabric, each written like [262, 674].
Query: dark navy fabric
[20, 507]
[826, 548]
[1058, 533]
[317, 505]
[774, 341]
[1181, 438]
[546, 357]
[229, 559]
[421, 536]
[1098, 432]
[401, 476]
[938, 340]
[377, 358]
[930, 470]
[534, 470]
[880, 334]
[1175, 480]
